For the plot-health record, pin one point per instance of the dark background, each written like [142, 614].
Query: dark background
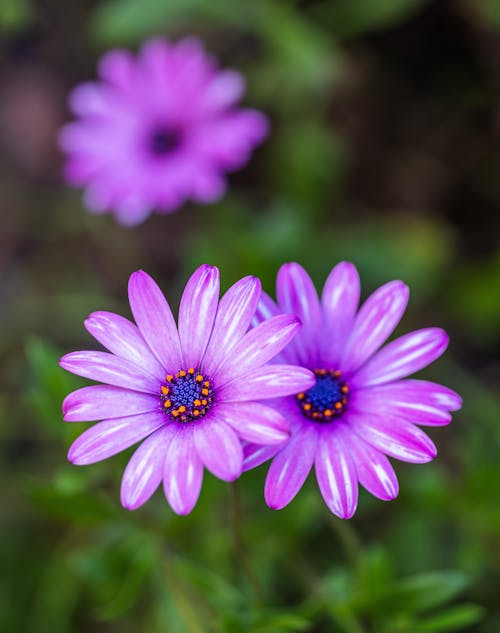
[384, 150]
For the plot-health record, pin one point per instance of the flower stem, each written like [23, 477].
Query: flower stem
[240, 552]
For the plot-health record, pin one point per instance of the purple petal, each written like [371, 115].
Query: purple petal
[254, 422]
[110, 437]
[340, 301]
[418, 401]
[197, 313]
[290, 467]
[117, 67]
[271, 381]
[336, 473]
[122, 337]
[266, 309]
[183, 473]
[234, 314]
[296, 294]
[110, 369]
[257, 347]
[255, 454]
[154, 318]
[102, 401]
[144, 472]
[394, 437]
[402, 357]
[375, 321]
[226, 88]
[374, 470]
[219, 449]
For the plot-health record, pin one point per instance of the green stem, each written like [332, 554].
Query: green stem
[348, 537]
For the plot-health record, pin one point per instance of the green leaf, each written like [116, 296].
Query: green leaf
[428, 590]
[348, 19]
[454, 619]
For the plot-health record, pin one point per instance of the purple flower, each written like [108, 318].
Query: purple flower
[188, 393]
[157, 130]
[359, 411]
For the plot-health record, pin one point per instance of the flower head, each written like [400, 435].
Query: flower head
[359, 411]
[188, 393]
[157, 129]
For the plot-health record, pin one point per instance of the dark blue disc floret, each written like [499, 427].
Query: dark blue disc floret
[327, 399]
[187, 395]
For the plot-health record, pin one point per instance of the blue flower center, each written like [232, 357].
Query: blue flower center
[327, 399]
[186, 396]
[165, 141]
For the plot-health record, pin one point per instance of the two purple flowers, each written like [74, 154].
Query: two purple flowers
[243, 379]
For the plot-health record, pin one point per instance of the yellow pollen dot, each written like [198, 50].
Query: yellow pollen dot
[338, 405]
[328, 412]
[175, 413]
[164, 390]
[182, 373]
[336, 374]
[204, 402]
[206, 383]
[170, 378]
[167, 404]
[191, 370]
[181, 409]
[345, 389]
[196, 412]
[204, 392]
[301, 396]
[321, 372]
[199, 378]
[197, 402]
[307, 407]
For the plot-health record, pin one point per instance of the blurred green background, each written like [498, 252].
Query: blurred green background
[385, 150]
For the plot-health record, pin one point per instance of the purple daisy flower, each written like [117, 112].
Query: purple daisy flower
[157, 130]
[359, 411]
[188, 393]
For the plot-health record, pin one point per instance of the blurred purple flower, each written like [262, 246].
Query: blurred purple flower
[157, 130]
[188, 392]
[359, 410]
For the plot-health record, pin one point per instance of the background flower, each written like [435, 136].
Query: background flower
[359, 410]
[158, 129]
[190, 391]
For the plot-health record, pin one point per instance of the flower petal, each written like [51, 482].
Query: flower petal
[374, 470]
[197, 313]
[375, 321]
[290, 467]
[271, 381]
[254, 422]
[340, 300]
[257, 347]
[402, 357]
[296, 294]
[110, 369]
[155, 320]
[336, 473]
[183, 473]
[394, 437]
[144, 471]
[418, 401]
[255, 454]
[102, 401]
[122, 337]
[110, 437]
[234, 314]
[219, 449]
[266, 309]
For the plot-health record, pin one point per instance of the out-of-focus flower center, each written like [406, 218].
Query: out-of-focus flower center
[165, 140]
[186, 396]
[327, 399]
